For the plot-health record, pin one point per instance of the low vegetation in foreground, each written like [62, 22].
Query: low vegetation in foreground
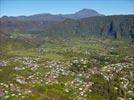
[67, 69]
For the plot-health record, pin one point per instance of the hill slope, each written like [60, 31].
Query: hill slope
[80, 24]
[40, 21]
[121, 26]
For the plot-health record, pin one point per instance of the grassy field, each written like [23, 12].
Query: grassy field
[67, 69]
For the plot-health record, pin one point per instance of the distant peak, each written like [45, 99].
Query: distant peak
[87, 11]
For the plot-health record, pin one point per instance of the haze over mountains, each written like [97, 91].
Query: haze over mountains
[59, 17]
[41, 21]
[82, 23]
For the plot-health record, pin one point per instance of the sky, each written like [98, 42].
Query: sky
[31, 7]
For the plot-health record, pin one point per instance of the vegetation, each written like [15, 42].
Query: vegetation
[67, 59]
[116, 27]
[74, 68]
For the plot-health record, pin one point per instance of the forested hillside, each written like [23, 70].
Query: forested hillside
[113, 26]
[118, 27]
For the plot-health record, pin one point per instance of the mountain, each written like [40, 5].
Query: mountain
[83, 23]
[59, 17]
[40, 21]
[83, 14]
[46, 17]
[119, 26]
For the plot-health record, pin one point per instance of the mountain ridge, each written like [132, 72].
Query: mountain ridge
[77, 15]
[116, 26]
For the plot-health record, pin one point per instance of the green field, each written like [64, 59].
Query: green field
[67, 69]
